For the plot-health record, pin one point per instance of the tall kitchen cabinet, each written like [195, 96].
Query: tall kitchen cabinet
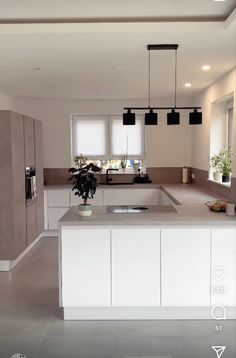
[20, 146]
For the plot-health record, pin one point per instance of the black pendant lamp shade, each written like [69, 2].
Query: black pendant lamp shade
[129, 118]
[195, 117]
[151, 118]
[173, 118]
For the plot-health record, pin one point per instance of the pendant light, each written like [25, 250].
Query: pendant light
[151, 118]
[173, 117]
[129, 118]
[195, 117]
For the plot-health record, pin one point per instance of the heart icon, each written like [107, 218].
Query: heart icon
[218, 272]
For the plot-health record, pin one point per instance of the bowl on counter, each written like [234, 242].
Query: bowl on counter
[218, 206]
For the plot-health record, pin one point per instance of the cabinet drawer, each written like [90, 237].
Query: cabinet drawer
[59, 198]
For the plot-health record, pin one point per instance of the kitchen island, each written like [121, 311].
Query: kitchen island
[148, 265]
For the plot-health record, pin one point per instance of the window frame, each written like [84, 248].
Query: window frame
[108, 145]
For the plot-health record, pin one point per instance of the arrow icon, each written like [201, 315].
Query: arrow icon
[219, 350]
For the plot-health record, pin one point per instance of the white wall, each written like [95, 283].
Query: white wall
[165, 145]
[217, 92]
[6, 102]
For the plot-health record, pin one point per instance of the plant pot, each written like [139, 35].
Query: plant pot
[217, 176]
[225, 178]
[85, 210]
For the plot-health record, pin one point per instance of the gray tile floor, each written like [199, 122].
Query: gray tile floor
[31, 324]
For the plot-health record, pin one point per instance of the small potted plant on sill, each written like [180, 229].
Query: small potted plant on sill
[84, 185]
[215, 164]
[226, 163]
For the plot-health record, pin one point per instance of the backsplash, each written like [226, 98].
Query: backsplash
[54, 176]
[201, 179]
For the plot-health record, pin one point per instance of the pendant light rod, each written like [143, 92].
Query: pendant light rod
[149, 79]
[159, 108]
[176, 77]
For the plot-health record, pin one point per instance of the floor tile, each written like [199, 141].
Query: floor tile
[79, 347]
[11, 345]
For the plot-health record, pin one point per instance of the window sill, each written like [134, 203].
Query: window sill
[227, 185]
[123, 171]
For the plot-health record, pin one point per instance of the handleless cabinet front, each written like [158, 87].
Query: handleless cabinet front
[135, 267]
[29, 142]
[85, 267]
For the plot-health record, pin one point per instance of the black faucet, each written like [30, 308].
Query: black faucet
[108, 179]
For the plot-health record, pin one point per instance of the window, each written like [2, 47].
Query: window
[105, 137]
[230, 116]
[221, 127]
[89, 136]
[126, 139]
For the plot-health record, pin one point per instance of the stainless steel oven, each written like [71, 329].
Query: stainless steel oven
[30, 184]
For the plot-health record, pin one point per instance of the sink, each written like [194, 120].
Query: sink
[128, 209]
[123, 209]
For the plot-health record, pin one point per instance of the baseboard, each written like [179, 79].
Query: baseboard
[8, 265]
[50, 233]
[142, 313]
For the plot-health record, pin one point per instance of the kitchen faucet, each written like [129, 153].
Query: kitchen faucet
[108, 179]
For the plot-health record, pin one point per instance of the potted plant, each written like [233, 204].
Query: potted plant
[226, 163]
[215, 163]
[84, 185]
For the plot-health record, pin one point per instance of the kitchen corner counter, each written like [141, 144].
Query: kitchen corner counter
[148, 265]
[190, 211]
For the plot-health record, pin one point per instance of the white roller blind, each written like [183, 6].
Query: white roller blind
[89, 135]
[128, 139]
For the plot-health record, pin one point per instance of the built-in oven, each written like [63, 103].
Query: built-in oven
[30, 185]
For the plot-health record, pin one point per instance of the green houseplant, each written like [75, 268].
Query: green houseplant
[226, 163]
[215, 164]
[84, 185]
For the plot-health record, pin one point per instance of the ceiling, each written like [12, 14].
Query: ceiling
[92, 59]
[95, 9]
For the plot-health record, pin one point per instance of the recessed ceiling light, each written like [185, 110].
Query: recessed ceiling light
[206, 67]
[121, 68]
[188, 85]
[37, 69]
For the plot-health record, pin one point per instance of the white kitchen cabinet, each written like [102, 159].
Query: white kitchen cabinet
[146, 196]
[135, 267]
[85, 267]
[54, 215]
[59, 198]
[96, 201]
[185, 267]
[119, 197]
[223, 271]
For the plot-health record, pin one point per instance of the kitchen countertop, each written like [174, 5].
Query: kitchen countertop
[192, 211]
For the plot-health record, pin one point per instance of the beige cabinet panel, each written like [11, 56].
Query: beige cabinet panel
[29, 152]
[29, 126]
[31, 233]
[39, 176]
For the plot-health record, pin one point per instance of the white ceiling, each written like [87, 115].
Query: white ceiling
[85, 9]
[81, 60]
